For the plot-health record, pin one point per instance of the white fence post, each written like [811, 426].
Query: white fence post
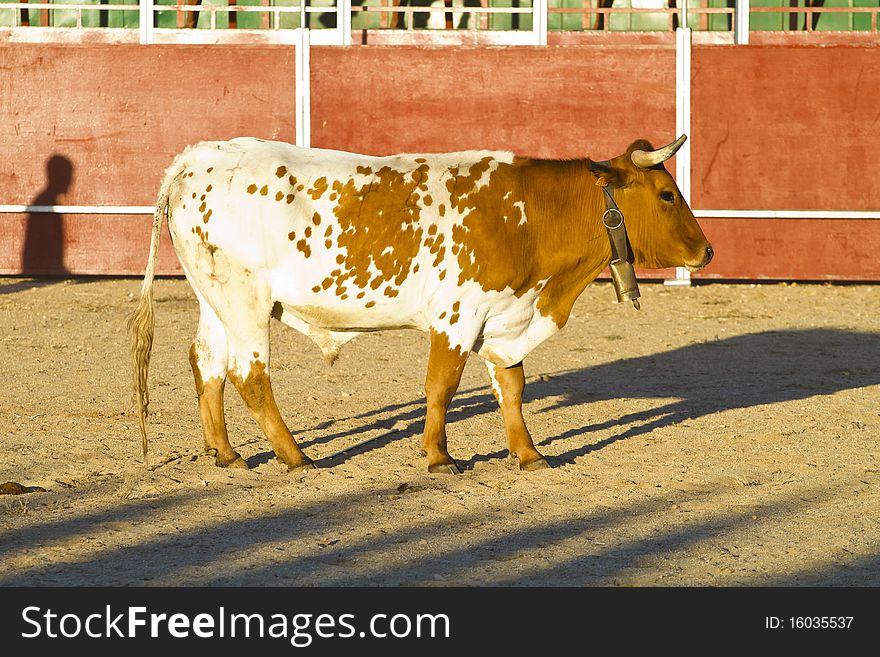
[303, 95]
[303, 80]
[539, 22]
[741, 23]
[343, 21]
[145, 21]
[683, 124]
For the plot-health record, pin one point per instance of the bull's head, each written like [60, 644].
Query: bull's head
[662, 229]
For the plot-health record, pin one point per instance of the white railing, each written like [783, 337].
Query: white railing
[278, 20]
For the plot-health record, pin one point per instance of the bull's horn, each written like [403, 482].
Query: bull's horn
[647, 159]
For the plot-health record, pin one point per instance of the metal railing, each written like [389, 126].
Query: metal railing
[527, 16]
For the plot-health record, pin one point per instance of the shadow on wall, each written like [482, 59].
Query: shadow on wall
[43, 251]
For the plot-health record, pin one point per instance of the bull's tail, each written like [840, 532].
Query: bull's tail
[141, 322]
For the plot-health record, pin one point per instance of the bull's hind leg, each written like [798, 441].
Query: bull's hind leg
[208, 358]
[508, 384]
[249, 373]
[445, 366]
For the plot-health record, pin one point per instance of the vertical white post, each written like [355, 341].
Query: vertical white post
[741, 22]
[683, 125]
[303, 77]
[343, 21]
[539, 22]
[145, 20]
[683, 18]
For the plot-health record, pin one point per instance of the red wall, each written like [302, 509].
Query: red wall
[114, 116]
[555, 102]
[773, 127]
[785, 128]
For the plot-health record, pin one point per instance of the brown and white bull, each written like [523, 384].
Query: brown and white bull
[485, 251]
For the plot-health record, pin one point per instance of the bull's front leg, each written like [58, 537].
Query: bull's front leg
[508, 384]
[445, 366]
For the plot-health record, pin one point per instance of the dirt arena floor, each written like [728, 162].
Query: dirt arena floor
[726, 435]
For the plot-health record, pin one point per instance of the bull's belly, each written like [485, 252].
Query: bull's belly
[341, 316]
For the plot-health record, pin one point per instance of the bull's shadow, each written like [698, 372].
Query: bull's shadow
[710, 377]
[704, 378]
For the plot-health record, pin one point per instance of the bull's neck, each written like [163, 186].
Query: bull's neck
[565, 208]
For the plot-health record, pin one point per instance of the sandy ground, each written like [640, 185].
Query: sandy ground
[726, 435]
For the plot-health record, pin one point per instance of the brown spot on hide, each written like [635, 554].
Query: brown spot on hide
[303, 246]
[202, 207]
[264, 190]
[456, 306]
[291, 235]
[210, 169]
[291, 180]
[328, 244]
[289, 199]
[279, 196]
[369, 304]
[308, 231]
[256, 354]
[316, 219]
[326, 283]
[441, 210]
[318, 188]
[428, 199]
[361, 295]
[364, 171]
[209, 188]
[374, 215]
[390, 292]
[340, 258]
[441, 275]
[281, 171]
[432, 229]
[443, 314]
[329, 231]
[194, 194]
[252, 188]
[317, 288]
[454, 318]
[340, 291]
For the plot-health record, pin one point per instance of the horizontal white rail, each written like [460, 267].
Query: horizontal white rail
[787, 214]
[709, 214]
[78, 209]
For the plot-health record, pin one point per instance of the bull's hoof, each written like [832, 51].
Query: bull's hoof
[301, 467]
[537, 464]
[444, 468]
[233, 462]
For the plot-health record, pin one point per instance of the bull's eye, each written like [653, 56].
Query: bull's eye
[669, 197]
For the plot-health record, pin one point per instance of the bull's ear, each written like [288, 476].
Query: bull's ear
[606, 174]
